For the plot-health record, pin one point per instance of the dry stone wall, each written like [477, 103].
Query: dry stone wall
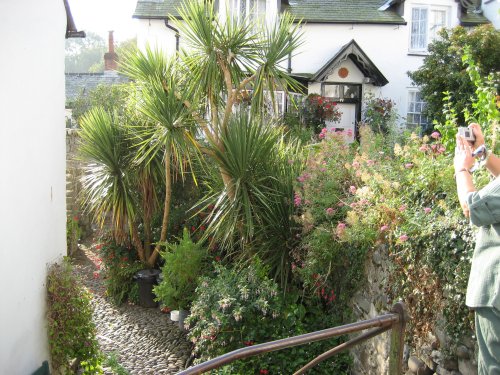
[432, 355]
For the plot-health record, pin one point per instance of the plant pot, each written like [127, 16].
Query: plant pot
[183, 314]
[174, 315]
[146, 280]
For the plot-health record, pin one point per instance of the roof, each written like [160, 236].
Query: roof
[344, 11]
[157, 8]
[472, 19]
[324, 11]
[82, 83]
[354, 52]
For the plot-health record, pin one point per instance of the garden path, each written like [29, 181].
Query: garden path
[144, 340]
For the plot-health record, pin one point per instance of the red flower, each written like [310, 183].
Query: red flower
[217, 258]
[193, 228]
[202, 228]
[248, 343]
[76, 218]
[264, 371]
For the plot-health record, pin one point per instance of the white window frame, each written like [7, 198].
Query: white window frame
[253, 10]
[431, 28]
[414, 109]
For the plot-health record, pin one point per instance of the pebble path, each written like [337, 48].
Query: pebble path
[144, 340]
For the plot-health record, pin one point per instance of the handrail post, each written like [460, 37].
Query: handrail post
[397, 340]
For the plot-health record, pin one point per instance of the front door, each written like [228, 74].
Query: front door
[348, 98]
[347, 121]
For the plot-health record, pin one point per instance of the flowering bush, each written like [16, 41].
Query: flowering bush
[317, 109]
[380, 114]
[403, 198]
[118, 265]
[72, 333]
[235, 308]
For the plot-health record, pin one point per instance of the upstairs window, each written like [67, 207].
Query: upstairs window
[426, 21]
[251, 9]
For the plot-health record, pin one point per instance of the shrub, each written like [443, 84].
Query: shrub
[70, 327]
[380, 114]
[183, 264]
[120, 266]
[445, 57]
[317, 109]
[242, 307]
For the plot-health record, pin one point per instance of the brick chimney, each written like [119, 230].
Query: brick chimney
[110, 57]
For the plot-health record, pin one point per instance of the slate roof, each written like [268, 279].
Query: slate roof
[157, 9]
[82, 83]
[343, 11]
[325, 11]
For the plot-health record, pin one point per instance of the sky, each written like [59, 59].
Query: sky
[101, 16]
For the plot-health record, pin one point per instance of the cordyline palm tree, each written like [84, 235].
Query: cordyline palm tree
[115, 187]
[224, 61]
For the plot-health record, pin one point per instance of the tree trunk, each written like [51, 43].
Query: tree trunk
[166, 209]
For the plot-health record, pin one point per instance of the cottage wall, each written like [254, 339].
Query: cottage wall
[32, 178]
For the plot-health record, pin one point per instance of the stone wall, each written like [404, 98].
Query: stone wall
[431, 356]
[73, 188]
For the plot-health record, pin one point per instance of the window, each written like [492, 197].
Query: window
[416, 106]
[426, 21]
[251, 9]
[341, 91]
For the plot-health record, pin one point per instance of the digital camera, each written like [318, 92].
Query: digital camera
[466, 133]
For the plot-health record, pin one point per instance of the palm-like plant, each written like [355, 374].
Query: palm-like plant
[115, 186]
[224, 61]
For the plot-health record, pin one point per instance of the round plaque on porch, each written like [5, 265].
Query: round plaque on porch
[343, 72]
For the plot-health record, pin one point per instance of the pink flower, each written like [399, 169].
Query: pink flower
[340, 204]
[329, 211]
[408, 165]
[403, 238]
[297, 200]
[340, 229]
[355, 164]
[441, 149]
[322, 169]
[383, 228]
[370, 162]
[349, 132]
[427, 210]
[435, 135]
[352, 189]
[402, 207]
[424, 148]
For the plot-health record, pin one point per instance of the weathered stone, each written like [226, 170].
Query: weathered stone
[467, 367]
[463, 352]
[442, 371]
[414, 364]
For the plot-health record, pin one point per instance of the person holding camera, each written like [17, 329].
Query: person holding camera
[482, 207]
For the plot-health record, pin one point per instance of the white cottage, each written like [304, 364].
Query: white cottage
[32, 174]
[350, 47]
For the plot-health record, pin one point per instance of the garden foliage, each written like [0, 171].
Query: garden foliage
[445, 57]
[120, 266]
[182, 267]
[238, 307]
[70, 327]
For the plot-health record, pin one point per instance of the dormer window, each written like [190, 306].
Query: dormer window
[251, 9]
[426, 21]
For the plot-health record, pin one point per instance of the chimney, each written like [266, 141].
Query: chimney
[110, 57]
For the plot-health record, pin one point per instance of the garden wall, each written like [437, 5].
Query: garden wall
[431, 356]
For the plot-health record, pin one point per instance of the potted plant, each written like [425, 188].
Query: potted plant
[183, 263]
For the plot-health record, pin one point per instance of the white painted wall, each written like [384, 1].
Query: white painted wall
[157, 35]
[385, 45]
[492, 12]
[32, 174]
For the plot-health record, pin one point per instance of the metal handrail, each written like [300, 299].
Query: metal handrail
[396, 320]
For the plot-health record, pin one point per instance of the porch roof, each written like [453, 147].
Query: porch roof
[354, 52]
